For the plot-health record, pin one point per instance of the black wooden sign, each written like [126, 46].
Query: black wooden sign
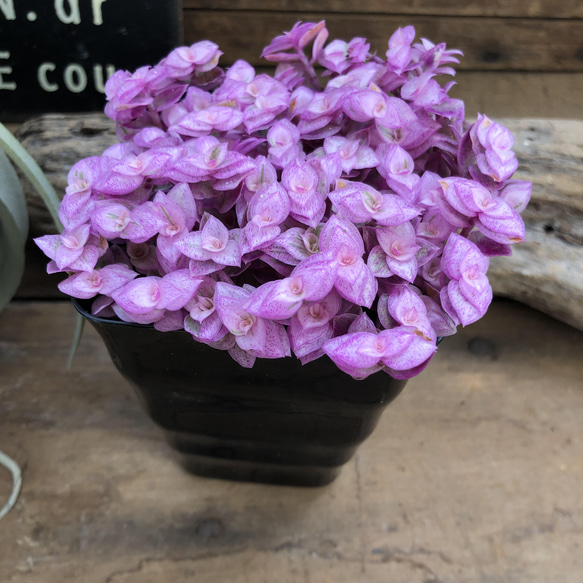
[55, 55]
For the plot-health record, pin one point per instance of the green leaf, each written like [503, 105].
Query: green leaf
[14, 219]
[12, 196]
[31, 170]
[79, 327]
[13, 231]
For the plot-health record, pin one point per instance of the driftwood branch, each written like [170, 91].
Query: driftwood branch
[546, 272]
[56, 142]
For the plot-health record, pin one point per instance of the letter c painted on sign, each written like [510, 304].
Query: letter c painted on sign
[42, 77]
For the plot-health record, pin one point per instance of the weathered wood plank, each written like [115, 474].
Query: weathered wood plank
[520, 95]
[57, 142]
[472, 475]
[488, 43]
[512, 8]
[546, 272]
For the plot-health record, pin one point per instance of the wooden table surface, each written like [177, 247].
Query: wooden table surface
[474, 474]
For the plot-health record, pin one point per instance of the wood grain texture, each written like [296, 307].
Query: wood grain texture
[520, 95]
[472, 475]
[488, 43]
[546, 272]
[56, 142]
[511, 8]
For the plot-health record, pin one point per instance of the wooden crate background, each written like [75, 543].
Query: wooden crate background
[522, 58]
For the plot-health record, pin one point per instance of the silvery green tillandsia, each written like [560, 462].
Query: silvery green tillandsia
[340, 207]
[13, 234]
[13, 214]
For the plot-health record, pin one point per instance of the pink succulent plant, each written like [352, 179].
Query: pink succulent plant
[349, 212]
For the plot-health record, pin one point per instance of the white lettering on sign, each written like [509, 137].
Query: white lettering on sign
[72, 16]
[67, 11]
[7, 85]
[98, 79]
[42, 77]
[7, 8]
[97, 15]
[74, 77]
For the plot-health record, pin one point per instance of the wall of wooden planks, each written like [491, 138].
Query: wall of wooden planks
[522, 58]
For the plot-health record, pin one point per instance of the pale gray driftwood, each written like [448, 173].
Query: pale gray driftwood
[56, 142]
[546, 272]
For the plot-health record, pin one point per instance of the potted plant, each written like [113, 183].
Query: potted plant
[270, 258]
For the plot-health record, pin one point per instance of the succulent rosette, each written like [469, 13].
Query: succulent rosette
[341, 207]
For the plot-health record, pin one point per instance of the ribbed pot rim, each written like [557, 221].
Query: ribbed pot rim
[78, 305]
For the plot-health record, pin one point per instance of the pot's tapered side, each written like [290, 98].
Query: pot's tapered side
[279, 422]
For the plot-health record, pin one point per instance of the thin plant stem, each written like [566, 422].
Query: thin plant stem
[311, 72]
[79, 327]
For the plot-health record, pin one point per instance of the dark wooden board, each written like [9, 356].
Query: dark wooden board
[508, 44]
[511, 8]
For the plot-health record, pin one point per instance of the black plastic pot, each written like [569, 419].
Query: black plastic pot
[279, 422]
